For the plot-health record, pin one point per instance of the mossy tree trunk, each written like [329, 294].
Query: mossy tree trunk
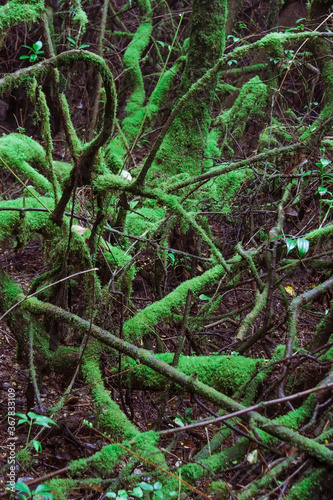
[184, 146]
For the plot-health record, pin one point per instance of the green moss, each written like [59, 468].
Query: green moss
[103, 462]
[250, 102]
[273, 44]
[110, 418]
[61, 487]
[226, 186]
[311, 487]
[113, 156]
[43, 113]
[135, 112]
[295, 419]
[62, 171]
[117, 258]
[64, 360]
[13, 227]
[25, 157]
[212, 150]
[149, 220]
[217, 462]
[108, 182]
[183, 147]
[19, 11]
[221, 488]
[163, 309]
[24, 459]
[145, 444]
[79, 16]
[224, 373]
[275, 135]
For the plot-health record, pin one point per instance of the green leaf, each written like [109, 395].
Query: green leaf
[321, 190]
[122, 494]
[20, 486]
[204, 297]
[137, 492]
[24, 57]
[234, 38]
[33, 57]
[110, 494]
[158, 484]
[290, 244]
[172, 258]
[303, 246]
[43, 491]
[188, 412]
[179, 421]
[84, 46]
[22, 415]
[37, 445]
[33, 415]
[42, 487]
[71, 40]
[146, 486]
[37, 46]
[324, 162]
[41, 419]
[158, 494]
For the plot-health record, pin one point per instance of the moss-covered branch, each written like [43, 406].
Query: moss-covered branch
[191, 384]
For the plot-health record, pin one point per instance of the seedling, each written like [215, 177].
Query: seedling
[181, 421]
[32, 418]
[143, 490]
[73, 44]
[42, 491]
[302, 244]
[325, 177]
[35, 51]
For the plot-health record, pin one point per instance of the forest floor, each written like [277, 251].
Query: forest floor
[73, 440]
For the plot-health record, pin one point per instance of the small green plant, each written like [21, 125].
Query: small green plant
[143, 490]
[32, 418]
[179, 261]
[326, 177]
[204, 297]
[172, 258]
[302, 244]
[289, 53]
[73, 44]
[42, 491]
[233, 38]
[35, 51]
[181, 421]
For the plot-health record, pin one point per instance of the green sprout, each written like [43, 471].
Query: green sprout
[35, 51]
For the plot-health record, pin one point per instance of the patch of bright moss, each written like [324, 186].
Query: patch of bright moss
[224, 373]
[25, 157]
